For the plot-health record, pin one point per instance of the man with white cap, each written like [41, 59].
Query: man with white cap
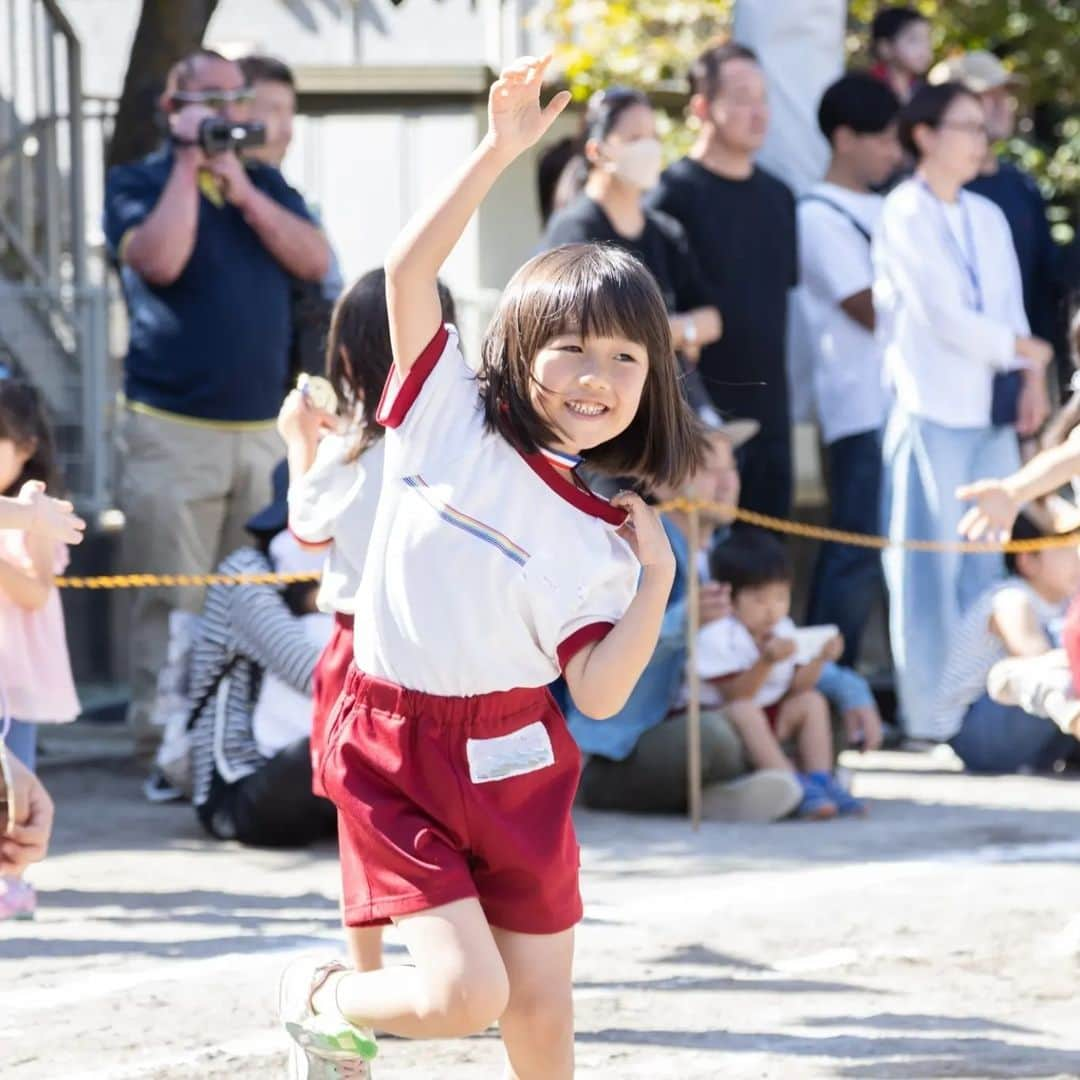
[636, 759]
[1012, 189]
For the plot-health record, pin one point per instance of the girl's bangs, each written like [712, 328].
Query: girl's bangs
[589, 291]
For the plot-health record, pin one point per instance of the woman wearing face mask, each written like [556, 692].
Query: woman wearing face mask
[620, 161]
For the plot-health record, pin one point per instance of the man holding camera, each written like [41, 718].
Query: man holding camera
[207, 243]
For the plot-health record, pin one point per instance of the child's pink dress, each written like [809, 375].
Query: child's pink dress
[35, 669]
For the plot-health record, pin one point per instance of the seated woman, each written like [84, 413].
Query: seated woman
[250, 752]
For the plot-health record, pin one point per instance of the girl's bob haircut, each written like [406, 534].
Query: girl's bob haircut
[594, 290]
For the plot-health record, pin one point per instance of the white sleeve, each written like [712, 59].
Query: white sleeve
[572, 610]
[909, 254]
[834, 257]
[436, 399]
[725, 647]
[317, 499]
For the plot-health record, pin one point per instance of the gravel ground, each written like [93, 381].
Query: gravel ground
[940, 937]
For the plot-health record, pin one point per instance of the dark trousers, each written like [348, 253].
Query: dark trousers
[847, 580]
[766, 473]
[274, 807]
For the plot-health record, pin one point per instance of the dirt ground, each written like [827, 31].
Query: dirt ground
[940, 937]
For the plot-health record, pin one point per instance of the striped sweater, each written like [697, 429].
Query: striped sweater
[253, 624]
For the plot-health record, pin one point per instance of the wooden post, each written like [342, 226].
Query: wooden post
[693, 715]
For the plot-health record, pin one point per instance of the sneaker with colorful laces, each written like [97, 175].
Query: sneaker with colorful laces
[815, 805]
[846, 803]
[17, 899]
[326, 1046]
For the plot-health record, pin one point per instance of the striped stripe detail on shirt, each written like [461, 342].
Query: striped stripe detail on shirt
[452, 516]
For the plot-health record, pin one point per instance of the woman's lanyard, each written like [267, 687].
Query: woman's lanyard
[968, 259]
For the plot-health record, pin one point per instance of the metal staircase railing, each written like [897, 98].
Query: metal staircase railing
[52, 304]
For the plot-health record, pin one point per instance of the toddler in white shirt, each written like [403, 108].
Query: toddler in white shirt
[752, 659]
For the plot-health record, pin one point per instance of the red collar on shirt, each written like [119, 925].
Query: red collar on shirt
[561, 480]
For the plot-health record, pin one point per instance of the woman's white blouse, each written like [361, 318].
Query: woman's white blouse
[947, 328]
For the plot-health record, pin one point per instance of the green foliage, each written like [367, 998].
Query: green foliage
[650, 44]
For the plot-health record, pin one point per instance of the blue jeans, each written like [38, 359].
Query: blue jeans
[22, 742]
[928, 591]
[1003, 738]
[848, 579]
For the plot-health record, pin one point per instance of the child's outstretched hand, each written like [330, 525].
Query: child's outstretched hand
[644, 533]
[49, 517]
[515, 119]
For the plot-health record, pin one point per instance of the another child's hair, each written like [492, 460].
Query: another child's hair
[890, 22]
[857, 101]
[706, 72]
[928, 107]
[1024, 528]
[594, 290]
[750, 558]
[358, 353]
[25, 421]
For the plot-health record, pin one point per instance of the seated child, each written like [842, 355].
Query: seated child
[749, 659]
[1019, 617]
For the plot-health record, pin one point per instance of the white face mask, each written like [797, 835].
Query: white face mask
[638, 163]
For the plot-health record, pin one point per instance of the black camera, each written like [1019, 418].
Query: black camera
[217, 136]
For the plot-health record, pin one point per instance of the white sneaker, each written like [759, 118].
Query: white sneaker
[325, 1045]
[761, 796]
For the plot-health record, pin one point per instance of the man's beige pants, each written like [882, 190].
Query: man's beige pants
[187, 491]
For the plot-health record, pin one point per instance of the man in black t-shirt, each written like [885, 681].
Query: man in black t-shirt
[740, 223]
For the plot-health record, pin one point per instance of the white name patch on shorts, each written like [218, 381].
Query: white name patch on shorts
[523, 751]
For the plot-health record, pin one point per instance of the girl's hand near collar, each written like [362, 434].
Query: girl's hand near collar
[645, 534]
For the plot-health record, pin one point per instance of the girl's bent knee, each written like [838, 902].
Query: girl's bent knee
[467, 1004]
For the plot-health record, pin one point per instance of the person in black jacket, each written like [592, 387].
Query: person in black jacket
[740, 223]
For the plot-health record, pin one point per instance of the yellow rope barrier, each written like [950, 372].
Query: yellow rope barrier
[764, 521]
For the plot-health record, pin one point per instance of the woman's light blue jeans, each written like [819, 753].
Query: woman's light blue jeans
[928, 591]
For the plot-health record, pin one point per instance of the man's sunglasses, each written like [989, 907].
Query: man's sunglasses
[215, 99]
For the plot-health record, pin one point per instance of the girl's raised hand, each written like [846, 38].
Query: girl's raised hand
[49, 517]
[515, 119]
[644, 533]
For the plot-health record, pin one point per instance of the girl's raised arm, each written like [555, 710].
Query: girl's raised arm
[515, 122]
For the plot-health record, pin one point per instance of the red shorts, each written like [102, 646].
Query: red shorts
[772, 714]
[326, 686]
[444, 798]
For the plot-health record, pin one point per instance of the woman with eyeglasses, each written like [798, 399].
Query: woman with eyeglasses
[967, 376]
[621, 159]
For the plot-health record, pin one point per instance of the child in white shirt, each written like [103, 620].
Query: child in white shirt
[750, 658]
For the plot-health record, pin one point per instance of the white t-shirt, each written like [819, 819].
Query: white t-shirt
[941, 351]
[487, 569]
[334, 502]
[975, 649]
[834, 263]
[282, 714]
[726, 647]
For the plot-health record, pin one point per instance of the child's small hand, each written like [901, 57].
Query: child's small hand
[833, 650]
[515, 119]
[778, 649]
[714, 602]
[644, 533]
[49, 517]
[299, 420]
